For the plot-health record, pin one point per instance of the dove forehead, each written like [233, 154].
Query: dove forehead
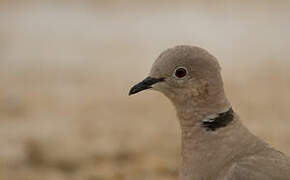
[191, 57]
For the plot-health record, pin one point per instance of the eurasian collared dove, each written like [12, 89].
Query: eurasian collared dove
[215, 144]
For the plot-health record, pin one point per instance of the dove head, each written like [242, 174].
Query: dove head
[188, 76]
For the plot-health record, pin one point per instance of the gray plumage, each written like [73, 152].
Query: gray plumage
[215, 144]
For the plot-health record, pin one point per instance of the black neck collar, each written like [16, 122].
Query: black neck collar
[222, 120]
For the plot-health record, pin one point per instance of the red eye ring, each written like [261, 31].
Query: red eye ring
[180, 72]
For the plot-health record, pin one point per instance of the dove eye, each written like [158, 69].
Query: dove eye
[180, 72]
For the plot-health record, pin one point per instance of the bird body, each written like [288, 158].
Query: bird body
[230, 152]
[215, 144]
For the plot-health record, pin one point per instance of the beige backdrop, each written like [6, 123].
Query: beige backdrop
[66, 68]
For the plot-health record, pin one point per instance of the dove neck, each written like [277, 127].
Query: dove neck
[194, 111]
[200, 143]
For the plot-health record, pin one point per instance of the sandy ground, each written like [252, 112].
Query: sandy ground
[66, 68]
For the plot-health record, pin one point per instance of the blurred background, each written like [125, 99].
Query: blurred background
[66, 67]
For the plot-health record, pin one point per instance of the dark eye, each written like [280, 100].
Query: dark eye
[180, 72]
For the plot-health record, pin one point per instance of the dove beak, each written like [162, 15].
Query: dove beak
[145, 84]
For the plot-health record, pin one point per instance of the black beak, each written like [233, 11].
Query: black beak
[145, 84]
